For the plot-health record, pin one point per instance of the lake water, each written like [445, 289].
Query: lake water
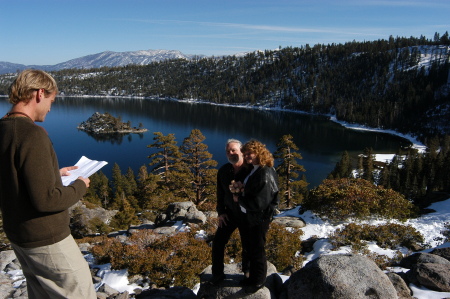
[321, 142]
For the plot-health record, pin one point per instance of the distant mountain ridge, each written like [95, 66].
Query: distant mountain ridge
[107, 58]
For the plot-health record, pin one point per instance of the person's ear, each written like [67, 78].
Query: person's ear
[40, 94]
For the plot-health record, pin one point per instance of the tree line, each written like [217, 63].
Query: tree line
[187, 172]
[184, 172]
[420, 177]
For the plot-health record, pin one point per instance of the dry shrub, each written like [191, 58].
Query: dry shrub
[177, 259]
[283, 245]
[389, 235]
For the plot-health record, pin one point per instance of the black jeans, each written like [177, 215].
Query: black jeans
[221, 239]
[255, 242]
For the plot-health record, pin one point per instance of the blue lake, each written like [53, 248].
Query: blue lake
[321, 142]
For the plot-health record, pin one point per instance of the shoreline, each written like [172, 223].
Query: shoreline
[414, 142]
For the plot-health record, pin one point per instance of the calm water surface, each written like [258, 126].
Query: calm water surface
[320, 141]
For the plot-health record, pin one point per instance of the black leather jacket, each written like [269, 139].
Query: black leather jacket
[260, 196]
[225, 203]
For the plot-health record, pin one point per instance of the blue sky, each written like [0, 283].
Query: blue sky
[44, 32]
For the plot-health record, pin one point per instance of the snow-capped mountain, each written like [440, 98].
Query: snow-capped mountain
[107, 58]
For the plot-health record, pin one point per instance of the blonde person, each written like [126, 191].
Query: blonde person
[257, 203]
[33, 200]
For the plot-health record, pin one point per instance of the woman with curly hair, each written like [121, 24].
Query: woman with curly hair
[258, 202]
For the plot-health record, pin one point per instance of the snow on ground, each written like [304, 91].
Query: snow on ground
[430, 225]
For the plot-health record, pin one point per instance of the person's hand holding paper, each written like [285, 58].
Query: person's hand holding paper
[84, 168]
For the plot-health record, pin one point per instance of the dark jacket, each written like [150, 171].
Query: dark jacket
[260, 198]
[225, 202]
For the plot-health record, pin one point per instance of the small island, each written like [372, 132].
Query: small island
[107, 124]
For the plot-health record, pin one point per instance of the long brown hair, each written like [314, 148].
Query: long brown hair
[259, 149]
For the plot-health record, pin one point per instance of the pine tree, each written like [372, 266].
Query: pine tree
[343, 168]
[98, 190]
[131, 186]
[120, 186]
[288, 171]
[198, 179]
[368, 167]
[126, 215]
[167, 158]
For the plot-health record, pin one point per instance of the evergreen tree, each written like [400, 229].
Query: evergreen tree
[368, 168]
[168, 156]
[343, 168]
[126, 215]
[119, 186]
[288, 171]
[167, 172]
[131, 184]
[99, 190]
[198, 179]
[131, 188]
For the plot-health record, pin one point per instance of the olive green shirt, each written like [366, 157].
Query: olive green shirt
[33, 200]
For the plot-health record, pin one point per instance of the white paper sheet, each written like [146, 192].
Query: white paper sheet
[86, 167]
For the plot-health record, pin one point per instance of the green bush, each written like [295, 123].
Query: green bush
[342, 199]
[177, 259]
[282, 247]
[389, 236]
[96, 225]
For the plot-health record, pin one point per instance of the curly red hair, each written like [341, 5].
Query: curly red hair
[262, 153]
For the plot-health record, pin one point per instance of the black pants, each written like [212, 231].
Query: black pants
[255, 242]
[221, 239]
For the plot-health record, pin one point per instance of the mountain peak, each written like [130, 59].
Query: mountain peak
[106, 58]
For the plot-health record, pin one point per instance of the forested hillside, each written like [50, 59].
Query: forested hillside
[400, 83]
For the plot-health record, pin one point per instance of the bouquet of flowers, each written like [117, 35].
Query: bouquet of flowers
[236, 188]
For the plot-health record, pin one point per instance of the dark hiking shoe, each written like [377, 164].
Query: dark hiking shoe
[245, 282]
[216, 279]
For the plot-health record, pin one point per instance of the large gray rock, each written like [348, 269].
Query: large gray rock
[181, 211]
[229, 287]
[340, 276]
[433, 276]
[442, 252]
[422, 257]
[6, 287]
[403, 291]
[288, 221]
[6, 257]
[87, 214]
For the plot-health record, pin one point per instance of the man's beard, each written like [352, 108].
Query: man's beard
[233, 159]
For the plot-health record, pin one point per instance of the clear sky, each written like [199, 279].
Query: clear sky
[42, 32]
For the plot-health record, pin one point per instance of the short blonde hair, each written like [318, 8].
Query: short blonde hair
[262, 153]
[28, 82]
